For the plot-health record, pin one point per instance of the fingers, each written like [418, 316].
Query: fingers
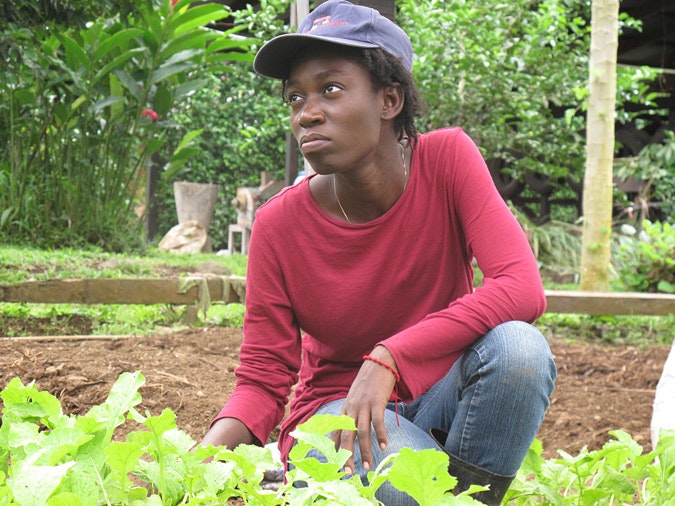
[380, 432]
[366, 425]
[366, 403]
[347, 438]
[363, 429]
[335, 437]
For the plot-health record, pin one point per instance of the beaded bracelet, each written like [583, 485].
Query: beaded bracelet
[384, 364]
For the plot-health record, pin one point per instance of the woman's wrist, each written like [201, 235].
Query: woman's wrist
[384, 364]
[229, 432]
[380, 352]
[382, 356]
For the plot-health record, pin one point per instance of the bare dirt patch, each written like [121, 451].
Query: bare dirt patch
[599, 387]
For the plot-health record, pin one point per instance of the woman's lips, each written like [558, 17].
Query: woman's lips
[311, 143]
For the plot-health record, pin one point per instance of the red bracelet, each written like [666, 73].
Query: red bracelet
[384, 364]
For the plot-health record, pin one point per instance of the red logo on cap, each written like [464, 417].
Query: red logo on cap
[325, 21]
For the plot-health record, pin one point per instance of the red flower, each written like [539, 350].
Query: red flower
[149, 113]
[173, 2]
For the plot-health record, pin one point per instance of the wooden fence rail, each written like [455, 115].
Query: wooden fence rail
[204, 290]
[189, 290]
[610, 303]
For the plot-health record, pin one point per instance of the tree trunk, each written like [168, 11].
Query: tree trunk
[385, 7]
[597, 200]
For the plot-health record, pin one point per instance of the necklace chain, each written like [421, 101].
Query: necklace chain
[339, 203]
[405, 184]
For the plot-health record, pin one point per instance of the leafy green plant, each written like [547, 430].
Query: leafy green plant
[423, 475]
[79, 462]
[646, 261]
[51, 458]
[556, 245]
[619, 473]
[226, 315]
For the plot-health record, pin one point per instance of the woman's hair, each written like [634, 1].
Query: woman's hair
[386, 69]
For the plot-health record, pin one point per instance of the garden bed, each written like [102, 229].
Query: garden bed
[600, 387]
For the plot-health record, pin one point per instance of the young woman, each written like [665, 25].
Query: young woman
[371, 258]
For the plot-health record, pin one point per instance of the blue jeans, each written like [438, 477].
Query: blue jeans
[491, 403]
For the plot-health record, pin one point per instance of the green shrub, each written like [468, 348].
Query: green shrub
[655, 166]
[556, 245]
[645, 262]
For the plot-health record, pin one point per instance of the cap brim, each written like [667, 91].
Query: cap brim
[275, 57]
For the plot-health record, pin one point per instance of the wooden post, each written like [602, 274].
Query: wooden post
[299, 11]
[291, 159]
[151, 208]
[385, 7]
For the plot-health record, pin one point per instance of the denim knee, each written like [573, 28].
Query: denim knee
[521, 351]
[505, 378]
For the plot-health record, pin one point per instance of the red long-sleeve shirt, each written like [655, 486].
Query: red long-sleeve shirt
[404, 280]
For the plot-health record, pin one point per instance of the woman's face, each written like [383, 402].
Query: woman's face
[336, 115]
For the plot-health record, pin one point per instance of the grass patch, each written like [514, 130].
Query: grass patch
[18, 265]
[17, 320]
[640, 331]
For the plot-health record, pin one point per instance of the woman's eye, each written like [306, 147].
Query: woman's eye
[332, 88]
[292, 98]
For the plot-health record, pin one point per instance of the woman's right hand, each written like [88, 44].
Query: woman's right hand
[365, 403]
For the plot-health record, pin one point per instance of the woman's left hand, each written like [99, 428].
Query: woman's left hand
[365, 403]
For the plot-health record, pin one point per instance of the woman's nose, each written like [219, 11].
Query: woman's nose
[311, 112]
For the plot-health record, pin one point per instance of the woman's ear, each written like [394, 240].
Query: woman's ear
[394, 98]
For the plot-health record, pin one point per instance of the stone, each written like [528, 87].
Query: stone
[187, 237]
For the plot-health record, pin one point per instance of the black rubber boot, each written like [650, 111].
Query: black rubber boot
[468, 474]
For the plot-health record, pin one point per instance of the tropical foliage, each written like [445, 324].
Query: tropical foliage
[85, 110]
[244, 124]
[514, 75]
[82, 87]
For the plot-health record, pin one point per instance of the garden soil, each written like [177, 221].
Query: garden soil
[600, 387]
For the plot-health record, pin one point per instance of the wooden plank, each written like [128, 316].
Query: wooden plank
[610, 303]
[125, 291]
[233, 288]
[66, 338]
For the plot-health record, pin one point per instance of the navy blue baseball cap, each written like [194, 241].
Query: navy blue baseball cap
[336, 22]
